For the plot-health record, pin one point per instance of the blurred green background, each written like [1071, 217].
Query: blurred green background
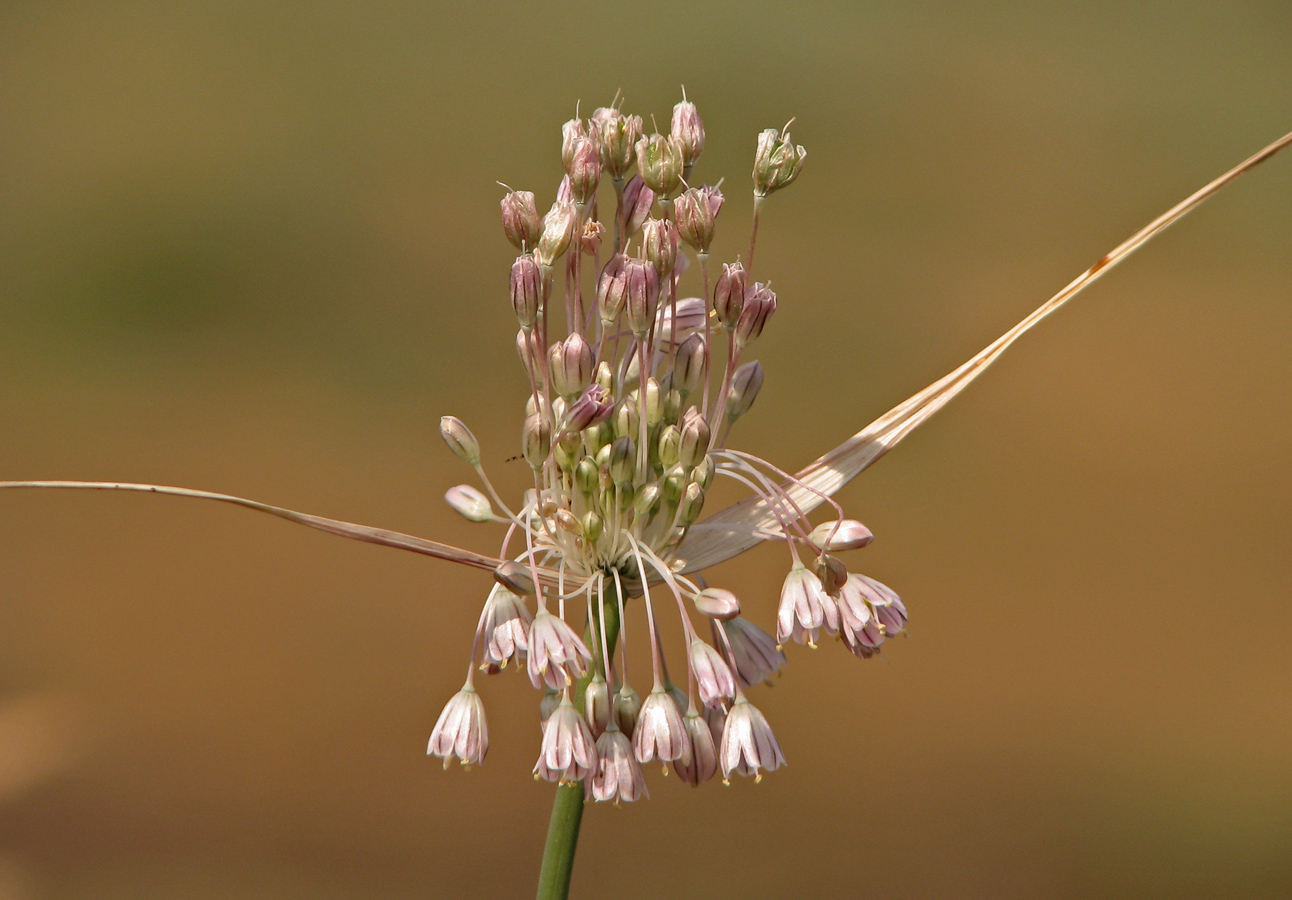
[254, 248]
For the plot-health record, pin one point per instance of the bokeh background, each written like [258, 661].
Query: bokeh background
[254, 248]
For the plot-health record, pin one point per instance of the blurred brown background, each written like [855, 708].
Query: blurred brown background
[254, 248]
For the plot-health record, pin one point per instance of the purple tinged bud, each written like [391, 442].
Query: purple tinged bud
[612, 289]
[729, 294]
[515, 577]
[572, 366]
[659, 163]
[619, 776]
[569, 752]
[641, 295]
[520, 219]
[717, 603]
[461, 729]
[592, 408]
[623, 460]
[746, 382]
[844, 534]
[469, 503]
[526, 290]
[760, 303]
[688, 131]
[557, 656]
[777, 162]
[638, 202]
[660, 733]
[695, 439]
[572, 132]
[832, 572]
[535, 441]
[558, 231]
[584, 170]
[754, 651]
[628, 707]
[659, 244]
[703, 761]
[713, 678]
[527, 348]
[460, 440]
[617, 136]
[748, 744]
[690, 368]
[697, 210]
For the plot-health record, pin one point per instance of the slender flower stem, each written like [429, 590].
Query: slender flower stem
[567, 807]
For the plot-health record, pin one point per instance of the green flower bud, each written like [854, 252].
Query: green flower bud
[585, 476]
[593, 526]
[659, 163]
[688, 510]
[777, 162]
[670, 438]
[646, 501]
[623, 460]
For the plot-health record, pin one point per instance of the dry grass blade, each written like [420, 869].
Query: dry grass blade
[331, 526]
[735, 529]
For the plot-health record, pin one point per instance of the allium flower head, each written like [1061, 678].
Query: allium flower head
[633, 391]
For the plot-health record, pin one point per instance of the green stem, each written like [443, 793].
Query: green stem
[567, 807]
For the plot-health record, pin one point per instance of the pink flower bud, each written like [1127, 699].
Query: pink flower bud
[584, 170]
[558, 231]
[526, 290]
[688, 131]
[845, 534]
[520, 219]
[515, 577]
[572, 132]
[777, 162]
[697, 211]
[690, 319]
[729, 294]
[617, 135]
[659, 244]
[641, 295]
[571, 365]
[638, 202]
[659, 163]
[717, 603]
[760, 303]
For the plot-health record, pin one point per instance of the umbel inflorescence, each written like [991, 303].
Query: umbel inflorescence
[635, 381]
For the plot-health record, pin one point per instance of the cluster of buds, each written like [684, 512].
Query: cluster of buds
[625, 429]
